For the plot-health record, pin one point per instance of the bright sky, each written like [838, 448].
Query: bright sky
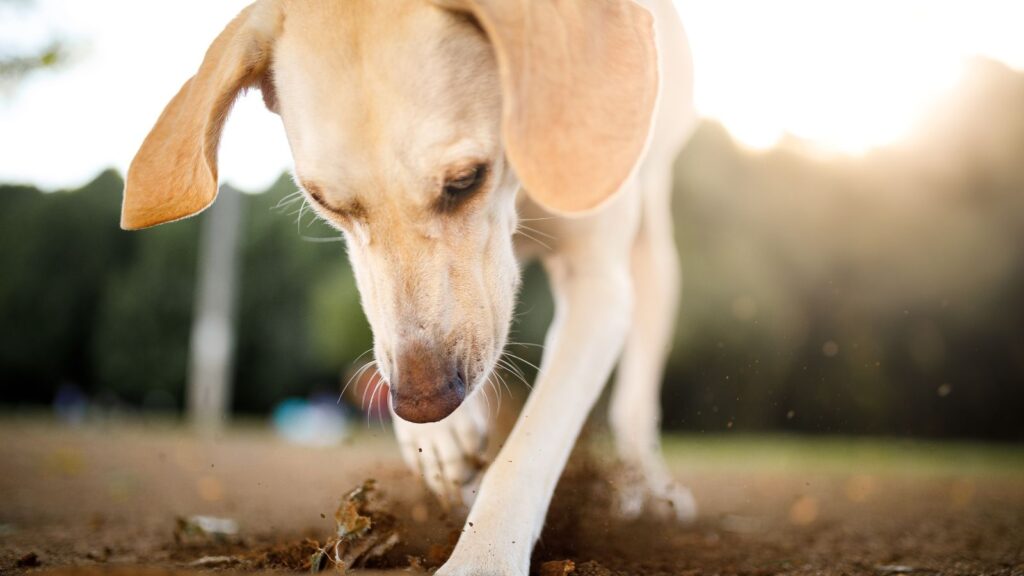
[845, 75]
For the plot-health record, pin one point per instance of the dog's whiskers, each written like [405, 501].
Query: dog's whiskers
[355, 377]
[362, 400]
[537, 232]
[516, 372]
[494, 387]
[376, 388]
[505, 385]
[543, 244]
[323, 239]
[357, 372]
[512, 367]
[391, 408]
[380, 409]
[298, 221]
[541, 346]
[487, 401]
[523, 360]
[520, 313]
[288, 200]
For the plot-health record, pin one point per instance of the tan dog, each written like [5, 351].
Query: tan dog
[424, 131]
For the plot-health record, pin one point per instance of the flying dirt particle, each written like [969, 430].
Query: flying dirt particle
[804, 511]
[790, 414]
[557, 568]
[944, 390]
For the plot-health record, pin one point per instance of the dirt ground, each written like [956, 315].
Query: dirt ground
[104, 499]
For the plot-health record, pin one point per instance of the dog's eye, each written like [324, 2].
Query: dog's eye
[465, 182]
[460, 186]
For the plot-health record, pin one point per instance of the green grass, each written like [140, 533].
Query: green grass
[842, 454]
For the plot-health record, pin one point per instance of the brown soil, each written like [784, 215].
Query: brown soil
[105, 501]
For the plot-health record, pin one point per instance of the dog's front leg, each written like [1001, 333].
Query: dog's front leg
[593, 301]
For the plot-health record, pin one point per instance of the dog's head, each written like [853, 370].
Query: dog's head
[413, 124]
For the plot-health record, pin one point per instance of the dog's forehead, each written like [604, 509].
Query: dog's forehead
[376, 92]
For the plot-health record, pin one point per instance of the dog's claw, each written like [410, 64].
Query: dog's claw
[448, 455]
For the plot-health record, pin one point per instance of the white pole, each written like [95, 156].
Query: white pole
[212, 343]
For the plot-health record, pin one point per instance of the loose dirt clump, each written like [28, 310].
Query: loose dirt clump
[30, 560]
[291, 556]
[365, 532]
[557, 568]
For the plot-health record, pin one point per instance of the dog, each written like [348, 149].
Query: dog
[427, 132]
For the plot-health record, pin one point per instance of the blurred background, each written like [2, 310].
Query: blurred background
[850, 216]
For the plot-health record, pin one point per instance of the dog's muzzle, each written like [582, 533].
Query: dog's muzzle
[428, 388]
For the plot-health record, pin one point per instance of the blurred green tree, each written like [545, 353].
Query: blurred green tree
[285, 263]
[57, 252]
[140, 339]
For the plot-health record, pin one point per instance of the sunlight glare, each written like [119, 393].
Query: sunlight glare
[842, 76]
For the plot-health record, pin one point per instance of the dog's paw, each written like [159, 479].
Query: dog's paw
[448, 455]
[660, 497]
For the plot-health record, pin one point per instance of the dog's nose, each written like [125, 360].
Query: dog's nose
[427, 388]
[432, 406]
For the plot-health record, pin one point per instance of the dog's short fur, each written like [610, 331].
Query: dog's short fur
[426, 131]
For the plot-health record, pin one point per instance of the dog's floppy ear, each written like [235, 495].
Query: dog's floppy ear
[174, 174]
[580, 81]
